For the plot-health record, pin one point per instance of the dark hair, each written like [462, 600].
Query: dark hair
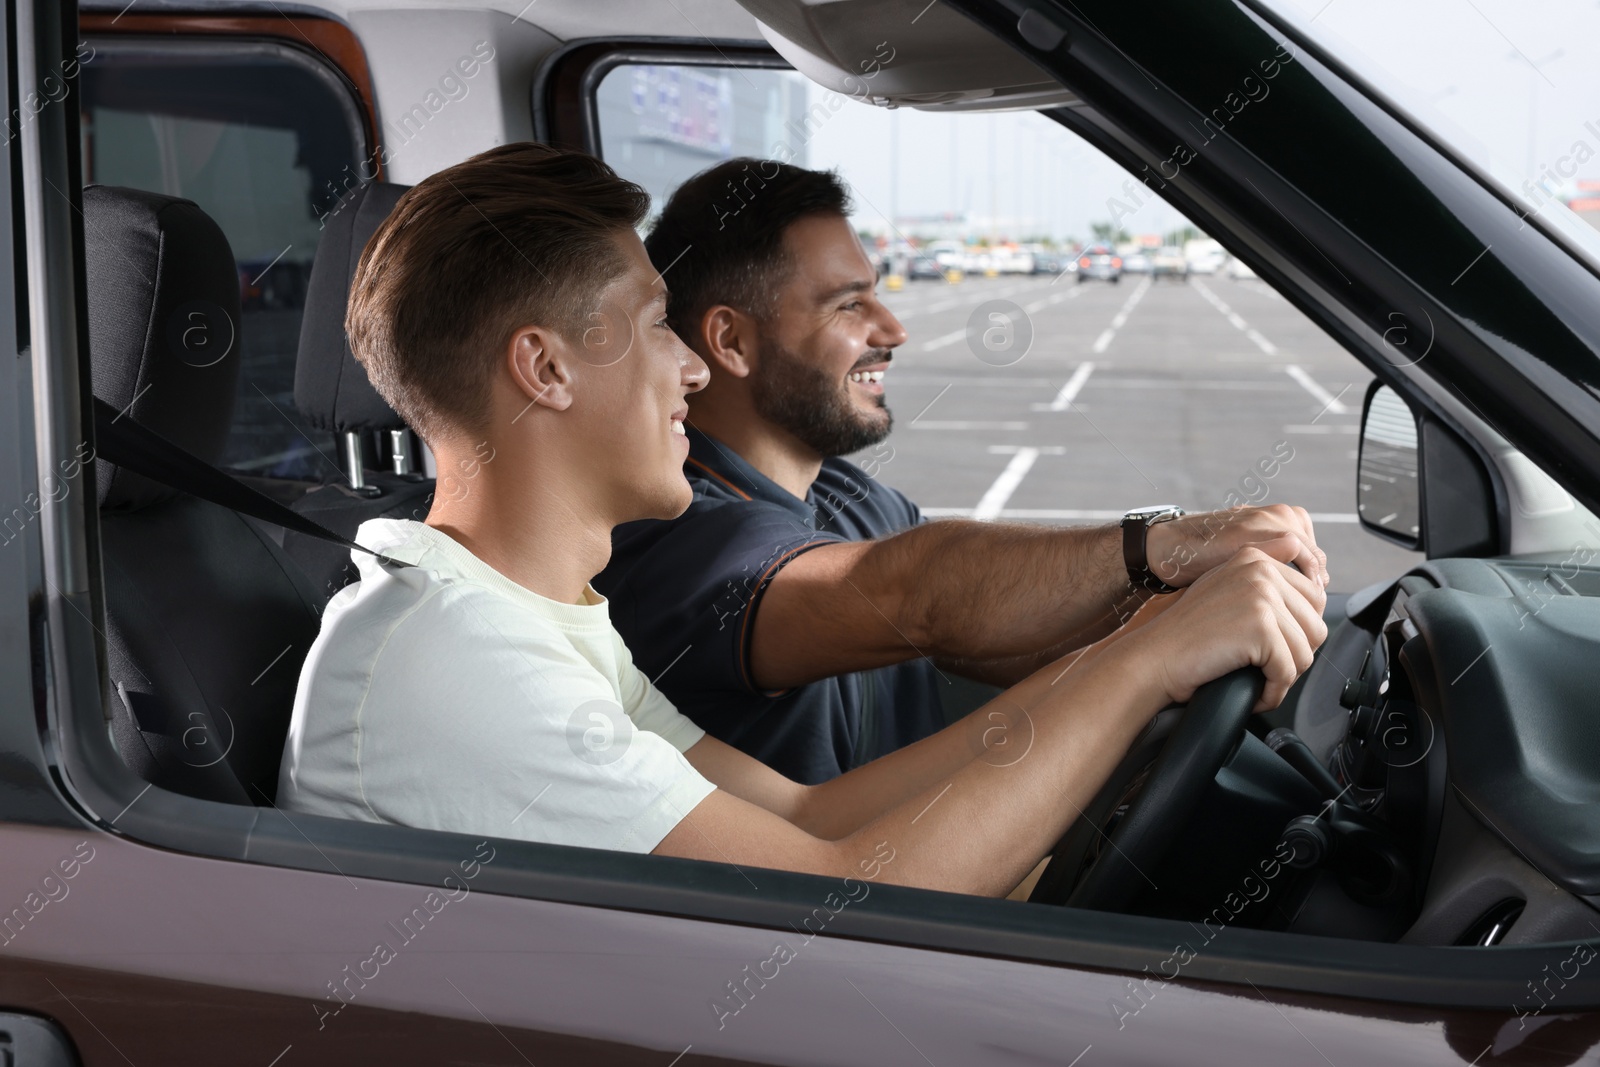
[719, 239]
[521, 234]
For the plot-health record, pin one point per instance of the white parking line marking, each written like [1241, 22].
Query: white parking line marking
[1040, 305]
[976, 298]
[1328, 401]
[1233, 317]
[1000, 492]
[1074, 386]
[1092, 515]
[1261, 342]
[1104, 340]
[1260, 288]
[969, 382]
[948, 339]
[1185, 384]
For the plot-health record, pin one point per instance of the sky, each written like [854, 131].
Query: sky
[1513, 84]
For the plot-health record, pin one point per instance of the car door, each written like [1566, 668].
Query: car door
[193, 931]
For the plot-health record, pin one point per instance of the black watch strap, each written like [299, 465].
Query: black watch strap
[1135, 538]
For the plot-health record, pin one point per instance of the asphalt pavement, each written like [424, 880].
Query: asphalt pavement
[1034, 399]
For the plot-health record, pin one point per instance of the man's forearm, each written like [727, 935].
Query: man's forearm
[987, 592]
[1000, 732]
[982, 592]
[968, 590]
[961, 831]
[1007, 671]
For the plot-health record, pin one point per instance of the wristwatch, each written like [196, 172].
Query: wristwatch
[1135, 530]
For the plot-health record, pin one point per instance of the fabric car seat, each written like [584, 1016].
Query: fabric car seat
[208, 620]
[333, 393]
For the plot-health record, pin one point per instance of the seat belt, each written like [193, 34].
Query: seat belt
[120, 440]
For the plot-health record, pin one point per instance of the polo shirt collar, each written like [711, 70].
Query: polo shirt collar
[710, 458]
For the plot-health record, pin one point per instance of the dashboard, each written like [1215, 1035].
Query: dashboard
[1458, 714]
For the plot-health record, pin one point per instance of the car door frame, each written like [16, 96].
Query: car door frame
[69, 782]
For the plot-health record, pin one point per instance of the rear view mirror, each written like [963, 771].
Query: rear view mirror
[1388, 499]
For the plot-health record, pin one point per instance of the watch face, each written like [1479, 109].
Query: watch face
[1152, 512]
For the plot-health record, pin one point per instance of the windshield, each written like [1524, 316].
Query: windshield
[1510, 87]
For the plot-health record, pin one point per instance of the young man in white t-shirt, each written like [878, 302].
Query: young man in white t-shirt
[508, 311]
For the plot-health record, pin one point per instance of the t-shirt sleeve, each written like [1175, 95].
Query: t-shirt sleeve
[686, 603]
[465, 730]
[649, 708]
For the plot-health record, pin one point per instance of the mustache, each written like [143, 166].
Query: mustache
[874, 357]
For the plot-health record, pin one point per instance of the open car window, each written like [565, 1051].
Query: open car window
[1077, 346]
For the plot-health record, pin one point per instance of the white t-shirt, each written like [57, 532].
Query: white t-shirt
[448, 697]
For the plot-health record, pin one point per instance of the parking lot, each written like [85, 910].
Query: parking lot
[1143, 392]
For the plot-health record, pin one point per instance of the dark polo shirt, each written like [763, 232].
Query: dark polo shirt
[683, 593]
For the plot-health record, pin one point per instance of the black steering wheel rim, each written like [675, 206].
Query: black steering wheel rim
[1194, 744]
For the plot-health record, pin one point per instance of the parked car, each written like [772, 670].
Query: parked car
[1047, 261]
[1100, 263]
[1168, 262]
[1014, 260]
[949, 255]
[922, 265]
[1204, 255]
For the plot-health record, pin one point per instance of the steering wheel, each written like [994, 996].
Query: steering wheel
[1188, 746]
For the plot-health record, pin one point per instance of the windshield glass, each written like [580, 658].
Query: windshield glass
[1512, 88]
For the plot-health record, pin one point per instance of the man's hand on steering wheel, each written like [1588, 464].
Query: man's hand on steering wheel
[1182, 550]
[1251, 609]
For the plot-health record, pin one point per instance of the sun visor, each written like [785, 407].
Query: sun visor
[904, 53]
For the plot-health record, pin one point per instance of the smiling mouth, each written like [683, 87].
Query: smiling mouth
[867, 376]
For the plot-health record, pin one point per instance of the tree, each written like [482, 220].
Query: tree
[1108, 233]
[1182, 235]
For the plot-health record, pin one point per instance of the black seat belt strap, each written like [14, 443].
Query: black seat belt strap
[120, 440]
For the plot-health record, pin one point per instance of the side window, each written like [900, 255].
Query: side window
[258, 135]
[1077, 346]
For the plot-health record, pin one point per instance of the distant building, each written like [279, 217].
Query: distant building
[662, 124]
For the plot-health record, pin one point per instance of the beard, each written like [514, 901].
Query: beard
[816, 409]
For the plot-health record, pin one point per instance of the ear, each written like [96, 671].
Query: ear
[731, 342]
[537, 361]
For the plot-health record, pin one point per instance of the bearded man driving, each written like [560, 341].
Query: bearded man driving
[801, 610]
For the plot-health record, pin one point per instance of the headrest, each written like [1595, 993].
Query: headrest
[163, 326]
[330, 388]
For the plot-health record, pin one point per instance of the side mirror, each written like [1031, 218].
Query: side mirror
[1388, 493]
